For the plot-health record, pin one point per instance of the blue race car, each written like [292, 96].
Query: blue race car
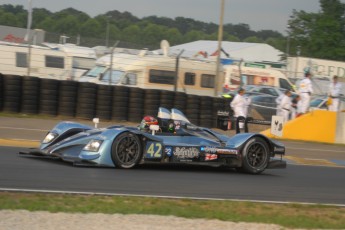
[168, 139]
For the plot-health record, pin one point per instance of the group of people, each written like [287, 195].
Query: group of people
[288, 107]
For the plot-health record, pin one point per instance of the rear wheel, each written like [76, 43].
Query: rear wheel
[255, 156]
[126, 150]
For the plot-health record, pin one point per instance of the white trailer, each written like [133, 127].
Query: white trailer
[56, 61]
[236, 75]
[152, 71]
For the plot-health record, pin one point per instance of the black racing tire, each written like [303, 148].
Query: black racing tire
[255, 156]
[126, 151]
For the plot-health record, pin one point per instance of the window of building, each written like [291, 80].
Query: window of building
[189, 78]
[207, 80]
[55, 62]
[21, 60]
[162, 77]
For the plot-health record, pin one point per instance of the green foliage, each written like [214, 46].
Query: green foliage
[320, 35]
[317, 35]
[148, 31]
[253, 39]
[287, 215]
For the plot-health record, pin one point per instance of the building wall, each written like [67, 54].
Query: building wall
[320, 67]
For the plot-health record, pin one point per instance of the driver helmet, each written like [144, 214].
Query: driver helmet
[146, 122]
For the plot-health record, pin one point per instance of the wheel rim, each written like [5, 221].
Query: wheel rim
[256, 155]
[128, 150]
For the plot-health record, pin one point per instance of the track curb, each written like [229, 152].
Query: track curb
[19, 143]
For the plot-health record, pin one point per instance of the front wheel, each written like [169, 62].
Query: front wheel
[255, 156]
[126, 150]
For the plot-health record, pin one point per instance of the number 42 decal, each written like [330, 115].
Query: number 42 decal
[153, 150]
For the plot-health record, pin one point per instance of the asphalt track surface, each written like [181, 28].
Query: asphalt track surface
[315, 173]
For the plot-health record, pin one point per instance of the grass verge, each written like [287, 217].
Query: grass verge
[286, 215]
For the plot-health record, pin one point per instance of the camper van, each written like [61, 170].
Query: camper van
[153, 71]
[254, 76]
[56, 61]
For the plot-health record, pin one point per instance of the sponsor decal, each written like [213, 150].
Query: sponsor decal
[186, 152]
[12, 38]
[168, 151]
[227, 151]
[208, 149]
[210, 157]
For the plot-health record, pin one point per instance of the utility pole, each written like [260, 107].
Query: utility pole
[220, 38]
[107, 33]
[28, 37]
[177, 69]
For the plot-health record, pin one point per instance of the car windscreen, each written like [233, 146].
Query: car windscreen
[95, 72]
[197, 131]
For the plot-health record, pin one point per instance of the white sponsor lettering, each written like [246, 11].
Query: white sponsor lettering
[209, 149]
[183, 152]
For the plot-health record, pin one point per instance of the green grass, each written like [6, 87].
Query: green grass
[286, 215]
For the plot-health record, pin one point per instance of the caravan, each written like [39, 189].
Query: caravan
[254, 75]
[153, 71]
[56, 61]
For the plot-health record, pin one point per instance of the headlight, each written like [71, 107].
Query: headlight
[49, 138]
[93, 145]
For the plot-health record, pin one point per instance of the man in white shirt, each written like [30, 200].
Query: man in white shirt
[334, 93]
[285, 105]
[238, 106]
[247, 109]
[305, 90]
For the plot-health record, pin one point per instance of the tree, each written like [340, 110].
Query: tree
[174, 36]
[9, 19]
[132, 34]
[68, 25]
[230, 37]
[123, 25]
[46, 24]
[153, 34]
[193, 35]
[253, 39]
[320, 35]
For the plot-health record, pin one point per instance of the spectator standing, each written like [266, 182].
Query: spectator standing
[305, 89]
[238, 105]
[296, 107]
[247, 109]
[334, 93]
[285, 105]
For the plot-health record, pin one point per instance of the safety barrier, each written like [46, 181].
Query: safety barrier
[31, 95]
[318, 125]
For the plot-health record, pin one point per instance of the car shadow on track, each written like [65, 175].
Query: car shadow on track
[172, 167]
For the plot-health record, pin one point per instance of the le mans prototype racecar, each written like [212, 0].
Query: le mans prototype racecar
[173, 139]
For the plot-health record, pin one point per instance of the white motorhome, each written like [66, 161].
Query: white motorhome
[56, 61]
[254, 76]
[152, 71]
